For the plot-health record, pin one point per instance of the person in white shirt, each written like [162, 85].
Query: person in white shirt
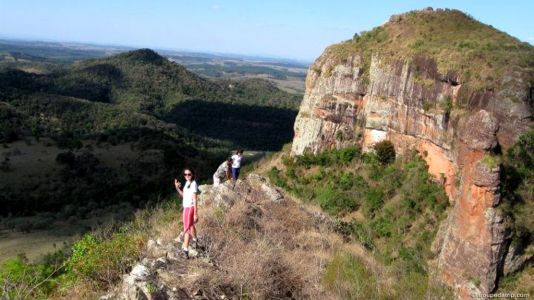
[236, 164]
[189, 204]
[223, 171]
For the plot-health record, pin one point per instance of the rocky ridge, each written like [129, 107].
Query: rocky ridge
[363, 99]
[253, 206]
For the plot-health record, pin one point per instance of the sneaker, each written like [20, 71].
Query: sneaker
[194, 243]
[184, 253]
[180, 238]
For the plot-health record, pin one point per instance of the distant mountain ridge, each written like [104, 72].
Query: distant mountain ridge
[140, 82]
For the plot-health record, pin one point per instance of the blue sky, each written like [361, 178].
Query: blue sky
[282, 28]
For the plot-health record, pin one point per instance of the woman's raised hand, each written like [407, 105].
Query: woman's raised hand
[177, 183]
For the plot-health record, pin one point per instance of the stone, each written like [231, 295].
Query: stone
[160, 263]
[260, 183]
[518, 257]
[486, 176]
[151, 244]
[109, 296]
[272, 193]
[140, 272]
[479, 131]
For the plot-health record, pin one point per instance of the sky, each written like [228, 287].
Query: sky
[298, 29]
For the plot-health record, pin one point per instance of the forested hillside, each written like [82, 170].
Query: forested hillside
[149, 113]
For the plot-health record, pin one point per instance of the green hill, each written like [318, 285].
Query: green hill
[157, 115]
[146, 81]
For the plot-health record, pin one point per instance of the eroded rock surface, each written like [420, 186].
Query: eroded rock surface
[350, 103]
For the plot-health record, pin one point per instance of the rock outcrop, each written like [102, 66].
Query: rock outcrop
[356, 98]
[250, 237]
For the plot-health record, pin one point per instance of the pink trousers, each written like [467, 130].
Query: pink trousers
[189, 213]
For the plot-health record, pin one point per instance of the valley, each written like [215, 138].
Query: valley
[401, 168]
[87, 143]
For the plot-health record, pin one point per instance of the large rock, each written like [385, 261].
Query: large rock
[479, 131]
[348, 102]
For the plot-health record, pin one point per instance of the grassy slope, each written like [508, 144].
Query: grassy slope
[392, 210]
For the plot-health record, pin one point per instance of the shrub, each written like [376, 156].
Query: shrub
[518, 186]
[21, 279]
[339, 135]
[334, 201]
[346, 155]
[382, 227]
[490, 161]
[385, 152]
[374, 199]
[275, 177]
[347, 276]
[103, 261]
[291, 173]
[346, 181]
[362, 233]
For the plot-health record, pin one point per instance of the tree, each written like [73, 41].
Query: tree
[385, 151]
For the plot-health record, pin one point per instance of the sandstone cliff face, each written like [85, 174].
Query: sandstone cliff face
[411, 104]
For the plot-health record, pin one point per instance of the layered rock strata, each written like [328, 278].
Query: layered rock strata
[456, 130]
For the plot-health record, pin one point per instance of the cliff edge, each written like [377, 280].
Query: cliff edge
[458, 91]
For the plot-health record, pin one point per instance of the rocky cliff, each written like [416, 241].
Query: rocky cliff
[454, 89]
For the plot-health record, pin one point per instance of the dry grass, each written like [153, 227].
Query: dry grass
[264, 250]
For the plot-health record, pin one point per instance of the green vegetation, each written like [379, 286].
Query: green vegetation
[103, 261]
[385, 152]
[400, 204]
[20, 279]
[94, 263]
[251, 127]
[352, 280]
[491, 161]
[461, 49]
[138, 99]
[517, 189]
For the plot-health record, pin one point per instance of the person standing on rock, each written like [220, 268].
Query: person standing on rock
[223, 171]
[189, 204]
[236, 164]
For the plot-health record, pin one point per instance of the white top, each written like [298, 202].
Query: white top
[221, 170]
[190, 188]
[236, 161]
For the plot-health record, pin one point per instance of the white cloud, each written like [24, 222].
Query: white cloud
[215, 7]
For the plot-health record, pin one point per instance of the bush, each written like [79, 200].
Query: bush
[385, 152]
[518, 187]
[346, 155]
[347, 276]
[103, 261]
[362, 233]
[21, 279]
[334, 201]
[275, 177]
[382, 227]
[374, 199]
